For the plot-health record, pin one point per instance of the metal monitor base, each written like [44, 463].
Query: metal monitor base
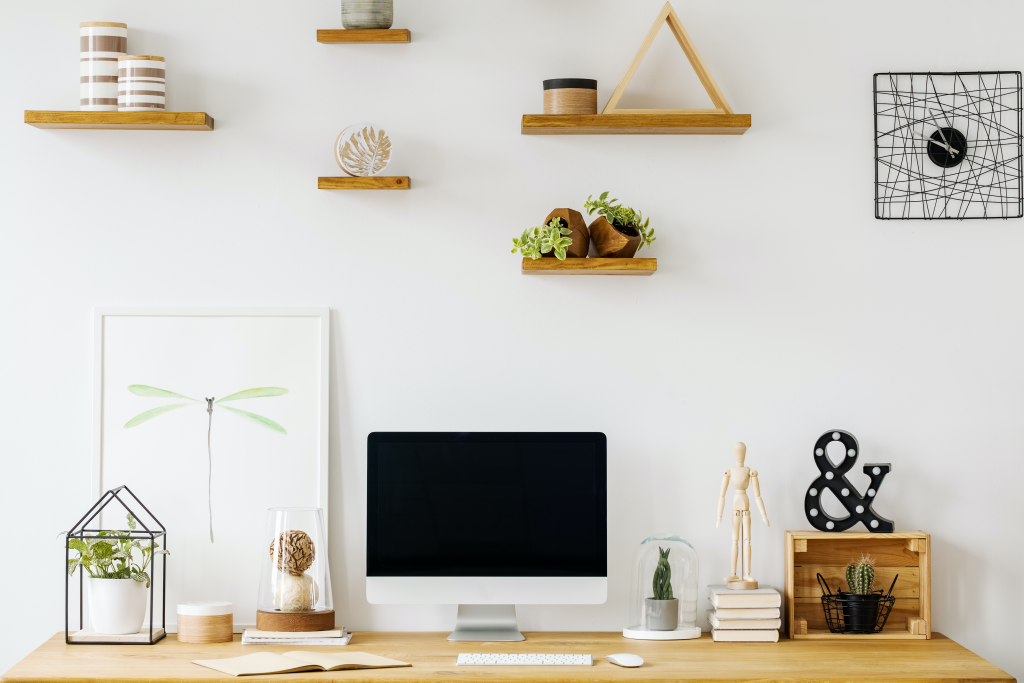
[487, 622]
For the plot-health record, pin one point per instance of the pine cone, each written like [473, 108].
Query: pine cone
[297, 554]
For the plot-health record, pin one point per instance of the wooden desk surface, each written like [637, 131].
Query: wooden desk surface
[433, 659]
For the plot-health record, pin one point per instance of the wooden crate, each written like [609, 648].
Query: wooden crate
[907, 553]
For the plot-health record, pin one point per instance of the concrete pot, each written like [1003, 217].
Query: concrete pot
[662, 615]
[367, 13]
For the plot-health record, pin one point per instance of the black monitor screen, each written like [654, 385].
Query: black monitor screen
[486, 504]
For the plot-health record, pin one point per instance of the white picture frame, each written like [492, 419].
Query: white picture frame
[179, 345]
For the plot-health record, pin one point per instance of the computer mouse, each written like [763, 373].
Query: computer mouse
[625, 660]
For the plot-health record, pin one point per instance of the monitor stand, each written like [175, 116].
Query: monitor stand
[486, 622]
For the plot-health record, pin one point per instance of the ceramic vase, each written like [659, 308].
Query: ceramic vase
[609, 242]
[100, 45]
[662, 615]
[141, 83]
[367, 13]
[580, 234]
[117, 607]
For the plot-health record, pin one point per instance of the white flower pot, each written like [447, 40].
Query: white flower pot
[117, 606]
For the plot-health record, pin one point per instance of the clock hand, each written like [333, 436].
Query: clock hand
[941, 134]
[952, 150]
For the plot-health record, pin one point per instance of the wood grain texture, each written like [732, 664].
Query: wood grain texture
[580, 235]
[364, 35]
[205, 629]
[371, 183]
[294, 622]
[121, 120]
[636, 124]
[591, 266]
[669, 16]
[939, 660]
[610, 243]
[829, 553]
[563, 101]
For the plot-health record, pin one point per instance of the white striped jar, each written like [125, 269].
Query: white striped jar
[141, 83]
[101, 43]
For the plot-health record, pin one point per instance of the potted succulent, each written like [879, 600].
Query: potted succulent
[117, 583]
[619, 231]
[662, 609]
[860, 605]
[578, 233]
[544, 239]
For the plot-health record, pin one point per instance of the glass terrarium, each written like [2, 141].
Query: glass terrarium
[295, 583]
[663, 592]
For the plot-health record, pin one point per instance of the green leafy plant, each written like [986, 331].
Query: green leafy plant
[112, 555]
[543, 239]
[663, 576]
[860, 575]
[258, 392]
[631, 222]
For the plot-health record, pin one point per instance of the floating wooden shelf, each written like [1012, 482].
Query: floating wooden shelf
[636, 124]
[371, 183]
[364, 35]
[591, 266]
[121, 120]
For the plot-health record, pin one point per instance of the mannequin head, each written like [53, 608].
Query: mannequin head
[741, 452]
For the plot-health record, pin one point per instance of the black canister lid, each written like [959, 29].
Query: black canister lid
[559, 83]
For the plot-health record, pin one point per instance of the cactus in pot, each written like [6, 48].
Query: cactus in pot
[860, 575]
[860, 605]
[663, 608]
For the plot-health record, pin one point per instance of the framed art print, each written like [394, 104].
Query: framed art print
[212, 416]
[948, 145]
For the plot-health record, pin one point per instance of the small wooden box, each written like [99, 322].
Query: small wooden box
[907, 553]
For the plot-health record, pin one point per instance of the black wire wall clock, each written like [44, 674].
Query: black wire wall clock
[948, 145]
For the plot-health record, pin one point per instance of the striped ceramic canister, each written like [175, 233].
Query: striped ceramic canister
[102, 42]
[140, 83]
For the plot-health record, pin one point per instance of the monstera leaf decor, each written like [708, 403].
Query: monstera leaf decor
[363, 150]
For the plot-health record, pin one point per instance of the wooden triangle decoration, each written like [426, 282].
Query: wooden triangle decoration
[668, 15]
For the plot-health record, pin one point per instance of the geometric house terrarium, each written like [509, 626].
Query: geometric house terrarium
[117, 568]
[663, 590]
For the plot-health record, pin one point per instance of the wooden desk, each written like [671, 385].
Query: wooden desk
[433, 659]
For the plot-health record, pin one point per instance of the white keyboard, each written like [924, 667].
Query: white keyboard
[525, 660]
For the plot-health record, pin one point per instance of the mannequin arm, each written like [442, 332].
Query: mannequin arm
[757, 496]
[721, 498]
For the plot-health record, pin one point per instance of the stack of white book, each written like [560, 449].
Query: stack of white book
[750, 616]
[338, 636]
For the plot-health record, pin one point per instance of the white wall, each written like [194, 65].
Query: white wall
[781, 307]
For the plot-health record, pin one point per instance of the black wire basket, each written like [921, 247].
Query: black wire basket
[852, 613]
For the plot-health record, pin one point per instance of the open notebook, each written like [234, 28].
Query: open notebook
[260, 663]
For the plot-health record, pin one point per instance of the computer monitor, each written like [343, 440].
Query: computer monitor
[485, 521]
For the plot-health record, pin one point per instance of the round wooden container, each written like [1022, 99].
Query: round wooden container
[205, 621]
[100, 45]
[141, 83]
[570, 96]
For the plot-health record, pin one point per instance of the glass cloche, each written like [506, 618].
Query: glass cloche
[295, 584]
[663, 591]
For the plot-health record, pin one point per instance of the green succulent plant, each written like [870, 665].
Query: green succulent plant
[663, 576]
[621, 216]
[108, 555]
[860, 575]
[543, 239]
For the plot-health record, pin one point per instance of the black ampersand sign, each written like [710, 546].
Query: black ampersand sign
[834, 479]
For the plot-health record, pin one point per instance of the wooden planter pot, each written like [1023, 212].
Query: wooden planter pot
[580, 235]
[610, 243]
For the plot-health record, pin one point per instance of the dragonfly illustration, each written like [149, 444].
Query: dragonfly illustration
[259, 392]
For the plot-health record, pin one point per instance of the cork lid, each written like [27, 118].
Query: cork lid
[108, 24]
[141, 58]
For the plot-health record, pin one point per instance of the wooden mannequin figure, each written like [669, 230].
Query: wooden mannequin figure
[741, 477]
